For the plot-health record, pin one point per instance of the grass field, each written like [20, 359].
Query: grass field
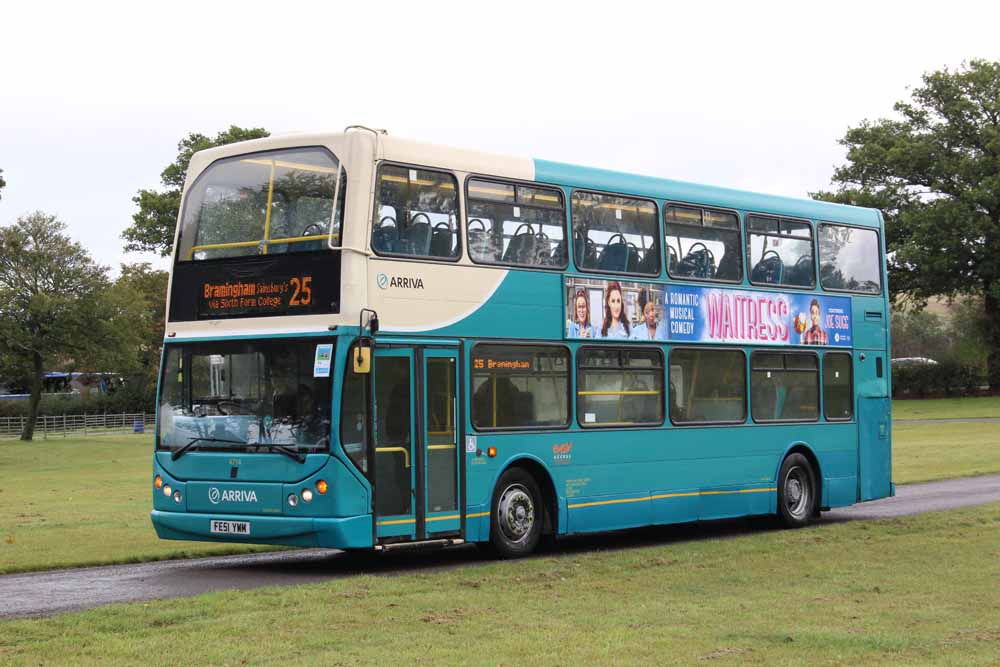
[83, 502]
[905, 591]
[947, 408]
[79, 501]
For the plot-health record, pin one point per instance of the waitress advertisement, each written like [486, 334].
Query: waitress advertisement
[691, 313]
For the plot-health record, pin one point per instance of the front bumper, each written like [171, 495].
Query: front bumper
[353, 532]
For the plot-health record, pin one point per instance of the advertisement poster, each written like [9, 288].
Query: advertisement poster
[610, 309]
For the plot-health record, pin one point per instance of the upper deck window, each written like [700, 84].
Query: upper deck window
[849, 259]
[780, 252]
[703, 244]
[615, 234]
[416, 213]
[516, 225]
[261, 204]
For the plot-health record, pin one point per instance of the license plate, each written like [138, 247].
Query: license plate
[230, 527]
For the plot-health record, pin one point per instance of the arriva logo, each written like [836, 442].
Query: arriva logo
[402, 282]
[231, 496]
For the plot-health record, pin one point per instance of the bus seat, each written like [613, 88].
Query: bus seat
[480, 247]
[441, 240]
[385, 239]
[671, 260]
[769, 270]
[520, 250]
[416, 239]
[650, 262]
[699, 262]
[614, 258]
[801, 273]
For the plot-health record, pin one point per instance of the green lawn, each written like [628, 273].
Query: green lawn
[946, 408]
[83, 502]
[912, 590]
[79, 501]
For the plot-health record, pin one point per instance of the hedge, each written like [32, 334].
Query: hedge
[948, 378]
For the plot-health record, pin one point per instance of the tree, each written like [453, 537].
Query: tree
[934, 170]
[145, 289]
[2, 182]
[153, 226]
[55, 305]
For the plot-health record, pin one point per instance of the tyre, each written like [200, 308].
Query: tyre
[797, 491]
[516, 514]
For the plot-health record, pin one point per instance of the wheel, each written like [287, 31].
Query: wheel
[797, 499]
[516, 515]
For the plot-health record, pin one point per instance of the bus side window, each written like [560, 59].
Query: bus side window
[416, 213]
[615, 234]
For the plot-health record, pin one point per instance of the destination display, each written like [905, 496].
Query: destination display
[259, 297]
[292, 284]
[610, 309]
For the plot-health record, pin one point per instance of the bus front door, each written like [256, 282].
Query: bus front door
[416, 444]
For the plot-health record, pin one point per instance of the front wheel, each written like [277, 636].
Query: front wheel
[516, 514]
[797, 491]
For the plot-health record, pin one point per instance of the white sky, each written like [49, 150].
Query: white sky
[94, 96]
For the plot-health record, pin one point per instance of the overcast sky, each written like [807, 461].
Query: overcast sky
[95, 96]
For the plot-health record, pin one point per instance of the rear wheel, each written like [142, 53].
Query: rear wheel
[797, 491]
[516, 514]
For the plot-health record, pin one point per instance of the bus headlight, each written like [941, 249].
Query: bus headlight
[167, 491]
[293, 500]
[177, 496]
[307, 495]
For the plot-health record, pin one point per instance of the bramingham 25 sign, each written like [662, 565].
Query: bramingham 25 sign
[683, 313]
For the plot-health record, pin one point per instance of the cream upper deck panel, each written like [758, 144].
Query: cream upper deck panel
[450, 292]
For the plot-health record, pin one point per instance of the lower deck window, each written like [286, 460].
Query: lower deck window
[617, 387]
[520, 386]
[707, 386]
[784, 386]
[837, 388]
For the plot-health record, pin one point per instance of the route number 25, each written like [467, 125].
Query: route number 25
[302, 296]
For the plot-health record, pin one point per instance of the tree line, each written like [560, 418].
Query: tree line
[932, 168]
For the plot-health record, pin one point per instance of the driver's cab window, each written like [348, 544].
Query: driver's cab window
[780, 252]
[416, 213]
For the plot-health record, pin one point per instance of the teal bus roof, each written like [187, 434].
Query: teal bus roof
[559, 173]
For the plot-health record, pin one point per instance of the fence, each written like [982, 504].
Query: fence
[60, 426]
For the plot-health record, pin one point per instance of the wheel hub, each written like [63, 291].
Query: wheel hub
[516, 513]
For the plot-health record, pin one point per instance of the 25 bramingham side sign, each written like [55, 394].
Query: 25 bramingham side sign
[682, 313]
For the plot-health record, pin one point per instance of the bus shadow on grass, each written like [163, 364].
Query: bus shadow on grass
[322, 564]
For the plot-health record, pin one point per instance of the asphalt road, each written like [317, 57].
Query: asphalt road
[44, 593]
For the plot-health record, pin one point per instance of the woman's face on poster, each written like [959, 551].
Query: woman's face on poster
[615, 304]
[649, 313]
[581, 310]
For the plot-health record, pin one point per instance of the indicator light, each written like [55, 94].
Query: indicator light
[158, 482]
[321, 486]
[307, 495]
[491, 452]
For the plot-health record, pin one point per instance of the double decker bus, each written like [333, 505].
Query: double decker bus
[373, 342]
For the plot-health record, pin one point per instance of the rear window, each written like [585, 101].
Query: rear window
[849, 259]
[263, 204]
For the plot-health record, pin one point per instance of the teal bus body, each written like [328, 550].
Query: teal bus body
[590, 479]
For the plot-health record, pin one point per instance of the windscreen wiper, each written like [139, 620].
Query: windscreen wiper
[287, 451]
[195, 441]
